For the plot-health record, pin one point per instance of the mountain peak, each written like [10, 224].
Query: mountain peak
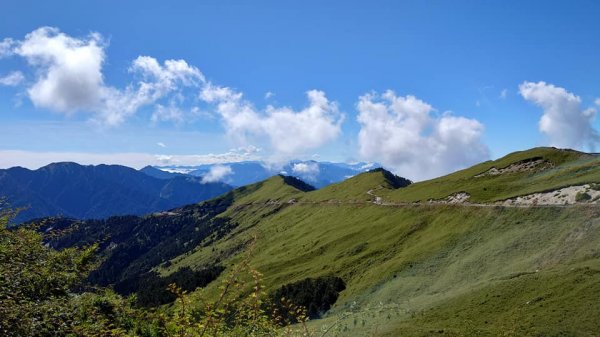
[278, 187]
[390, 180]
[60, 165]
[356, 187]
[297, 183]
[158, 173]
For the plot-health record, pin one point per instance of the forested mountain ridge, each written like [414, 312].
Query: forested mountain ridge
[73, 190]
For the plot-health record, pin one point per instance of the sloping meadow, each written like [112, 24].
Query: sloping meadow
[408, 268]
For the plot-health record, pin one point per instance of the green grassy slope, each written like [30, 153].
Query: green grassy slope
[570, 168]
[548, 303]
[419, 257]
[276, 188]
[430, 269]
[355, 188]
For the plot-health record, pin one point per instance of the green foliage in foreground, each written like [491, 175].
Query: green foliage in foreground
[43, 293]
[36, 283]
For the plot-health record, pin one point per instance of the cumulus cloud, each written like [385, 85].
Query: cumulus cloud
[217, 173]
[403, 133]
[69, 69]
[69, 77]
[289, 132]
[564, 121]
[169, 113]
[156, 82]
[306, 170]
[6, 47]
[12, 79]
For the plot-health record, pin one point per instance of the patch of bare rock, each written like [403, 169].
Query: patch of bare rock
[533, 164]
[564, 196]
[456, 198]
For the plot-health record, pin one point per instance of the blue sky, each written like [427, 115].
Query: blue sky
[470, 80]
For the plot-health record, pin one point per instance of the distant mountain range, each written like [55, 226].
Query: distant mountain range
[82, 192]
[95, 192]
[317, 174]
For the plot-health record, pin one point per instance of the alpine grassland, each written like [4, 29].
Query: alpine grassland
[424, 268]
[375, 255]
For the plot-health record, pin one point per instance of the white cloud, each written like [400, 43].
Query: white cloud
[70, 79]
[161, 144]
[169, 113]
[157, 82]
[269, 94]
[214, 94]
[217, 173]
[6, 47]
[69, 69]
[164, 159]
[12, 79]
[197, 113]
[232, 156]
[564, 121]
[403, 133]
[247, 150]
[306, 170]
[289, 132]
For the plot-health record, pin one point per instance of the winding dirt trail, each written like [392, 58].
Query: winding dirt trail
[452, 200]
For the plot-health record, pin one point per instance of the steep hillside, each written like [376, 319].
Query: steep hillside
[407, 266]
[133, 245]
[417, 269]
[427, 259]
[78, 191]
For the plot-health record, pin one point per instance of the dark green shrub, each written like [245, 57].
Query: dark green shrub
[582, 197]
[317, 295]
[151, 289]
